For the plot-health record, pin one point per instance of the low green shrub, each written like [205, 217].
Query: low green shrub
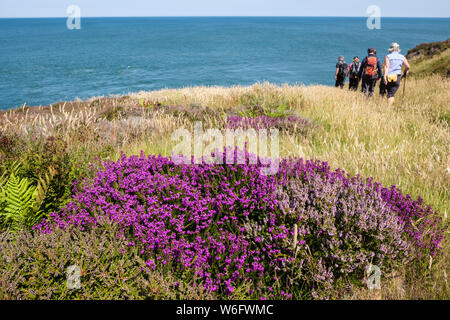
[34, 266]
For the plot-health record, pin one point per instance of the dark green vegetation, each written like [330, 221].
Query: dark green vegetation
[430, 58]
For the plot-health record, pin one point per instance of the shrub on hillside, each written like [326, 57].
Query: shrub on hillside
[297, 233]
[342, 229]
[34, 266]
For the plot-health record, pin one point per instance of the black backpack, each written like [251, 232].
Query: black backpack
[355, 69]
[342, 69]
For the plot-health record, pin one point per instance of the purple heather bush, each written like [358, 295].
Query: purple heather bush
[295, 234]
[345, 227]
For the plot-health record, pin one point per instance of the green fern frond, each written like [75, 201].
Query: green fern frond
[20, 201]
[42, 188]
[15, 167]
[5, 177]
[3, 180]
[34, 217]
[17, 197]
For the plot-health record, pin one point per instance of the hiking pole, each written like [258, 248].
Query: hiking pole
[404, 85]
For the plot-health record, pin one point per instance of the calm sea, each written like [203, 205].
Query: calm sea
[42, 62]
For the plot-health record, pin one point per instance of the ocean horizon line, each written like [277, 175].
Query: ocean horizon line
[227, 16]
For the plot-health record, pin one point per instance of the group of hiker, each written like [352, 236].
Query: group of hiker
[370, 70]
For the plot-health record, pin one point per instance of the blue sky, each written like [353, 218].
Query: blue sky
[107, 8]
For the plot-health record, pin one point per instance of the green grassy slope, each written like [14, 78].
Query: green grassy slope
[430, 58]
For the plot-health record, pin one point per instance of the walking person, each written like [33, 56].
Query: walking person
[341, 72]
[393, 71]
[353, 74]
[371, 67]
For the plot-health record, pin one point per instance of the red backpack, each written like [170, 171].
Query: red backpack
[371, 68]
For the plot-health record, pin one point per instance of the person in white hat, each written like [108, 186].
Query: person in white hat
[393, 71]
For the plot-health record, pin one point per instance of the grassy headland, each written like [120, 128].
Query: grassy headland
[431, 58]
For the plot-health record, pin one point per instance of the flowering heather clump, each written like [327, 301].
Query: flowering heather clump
[289, 123]
[420, 222]
[346, 226]
[191, 217]
[292, 234]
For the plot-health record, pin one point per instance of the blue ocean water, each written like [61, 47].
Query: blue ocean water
[41, 61]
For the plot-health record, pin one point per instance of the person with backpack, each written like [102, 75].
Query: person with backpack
[393, 71]
[353, 73]
[341, 72]
[371, 67]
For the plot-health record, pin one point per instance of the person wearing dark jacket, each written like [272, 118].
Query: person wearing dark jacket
[341, 72]
[352, 73]
[370, 72]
